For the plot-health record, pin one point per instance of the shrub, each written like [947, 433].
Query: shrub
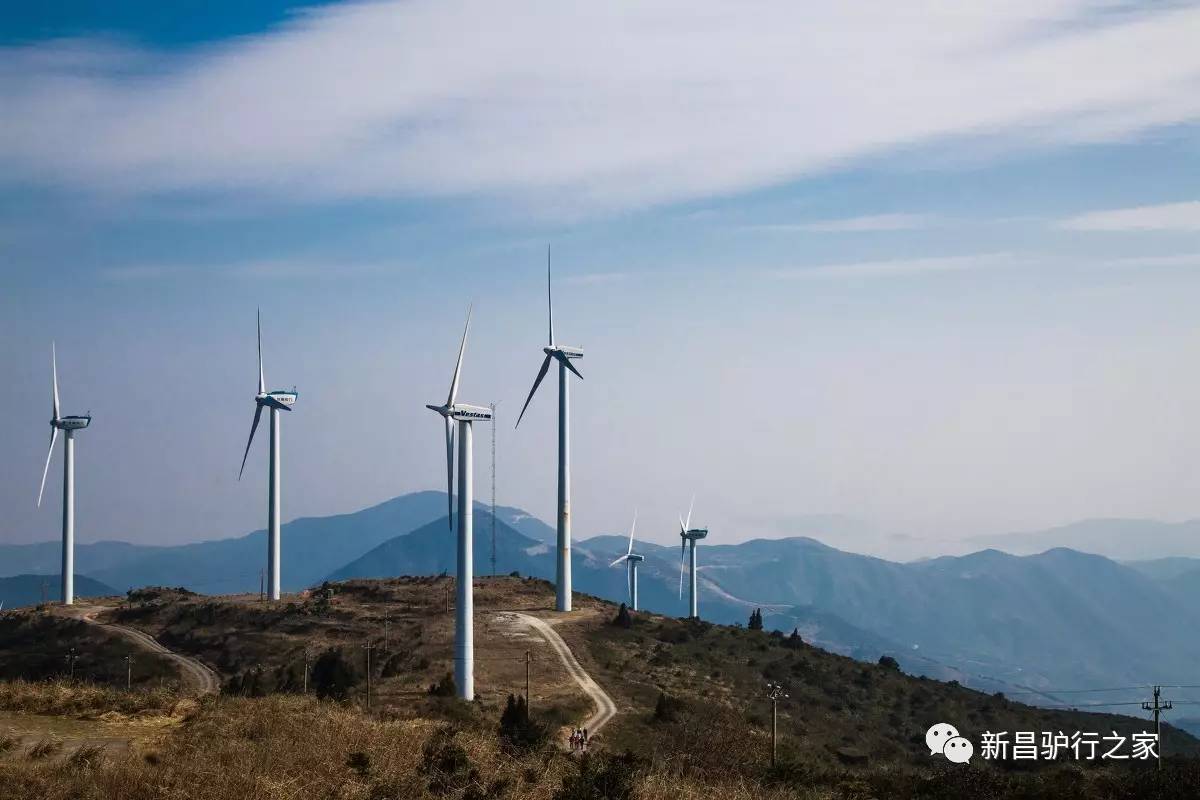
[333, 676]
[623, 619]
[887, 662]
[444, 687]
[516, 729]
[600, 777]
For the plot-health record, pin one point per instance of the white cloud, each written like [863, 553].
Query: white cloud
[574, 108]
[901, 267]
[1165, 217]
[863, 224]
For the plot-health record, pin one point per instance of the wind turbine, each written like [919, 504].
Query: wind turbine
[70, 425]
[464, 624]
[563, 355]
[689, 534]
[633, 560]
[276, 400]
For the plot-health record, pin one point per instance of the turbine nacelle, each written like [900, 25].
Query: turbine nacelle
[72, 423]
[694, 534]
[462, 412]
[280, 398]
[563, 351]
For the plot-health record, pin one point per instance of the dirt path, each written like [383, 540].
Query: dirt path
[606, 709]
[199, 675]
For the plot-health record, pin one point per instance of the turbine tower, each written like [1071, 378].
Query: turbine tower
[563, 355]
[633, 560]
[689, 534]
[464, 623]
[70, 425]
[276, 400]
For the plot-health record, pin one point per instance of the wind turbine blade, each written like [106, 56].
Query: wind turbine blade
[54, 373]
[619, 560]
[450, 472]
[536, 383]
[682, 555]
[458, 366]
[566, 362]
[46, 469]
[549, 298]
[632, 528]
[262, 382]
[253, 427]
[688, 523]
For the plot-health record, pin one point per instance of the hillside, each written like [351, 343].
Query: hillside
[691, 709]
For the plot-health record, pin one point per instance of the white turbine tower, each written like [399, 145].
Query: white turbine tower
[633, 560]
[464, 624]
[276, 400]
[689, 534]
[70, 425]
[563, 355]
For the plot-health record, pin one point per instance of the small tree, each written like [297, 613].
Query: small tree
[445, 687]
[623, 619]
[516, 729]
[333, 676]
[887, 662]
[756, 622]
[794, 641]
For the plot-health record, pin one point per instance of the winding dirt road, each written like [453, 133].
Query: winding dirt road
[197, 674]
[606, 709]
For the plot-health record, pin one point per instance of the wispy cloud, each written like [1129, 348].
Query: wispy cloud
[901, 267]
[583, 107]
[862, 224]
[1164, 217]
[264, 269]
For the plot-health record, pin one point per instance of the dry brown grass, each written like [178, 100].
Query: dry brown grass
[64, 698]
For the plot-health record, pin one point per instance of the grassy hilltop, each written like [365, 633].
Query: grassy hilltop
[692, 717]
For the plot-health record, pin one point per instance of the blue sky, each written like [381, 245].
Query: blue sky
[933, 269]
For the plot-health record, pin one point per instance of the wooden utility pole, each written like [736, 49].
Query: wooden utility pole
[1158, 707]
[367, 647]
[775, 692]
[128, 672]
[262, 586]
[306, 670]
[385, 630]
[71, 659]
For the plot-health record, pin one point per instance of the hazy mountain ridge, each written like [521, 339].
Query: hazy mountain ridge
[26, 590]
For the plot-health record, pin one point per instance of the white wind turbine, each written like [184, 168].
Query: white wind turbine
[563, 355]
[633, 560]
[464, 625]
[689, 534]
[70, 425]
[276, 400]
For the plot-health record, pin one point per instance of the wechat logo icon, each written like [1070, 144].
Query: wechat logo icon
[943, 739]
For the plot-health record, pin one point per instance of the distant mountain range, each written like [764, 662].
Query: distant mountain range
[1120, 539]
[1059, 619]
[26, 590]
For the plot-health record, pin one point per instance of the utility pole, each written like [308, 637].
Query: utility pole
[494, 495]
[128, 672]
[71, 659]
[262, 585]
[776, 693]
[528, 658]
[367, 647]
[385, 630]
[1158, 707]
[306, 670]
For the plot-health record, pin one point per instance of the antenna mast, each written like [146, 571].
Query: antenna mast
[494, 490]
